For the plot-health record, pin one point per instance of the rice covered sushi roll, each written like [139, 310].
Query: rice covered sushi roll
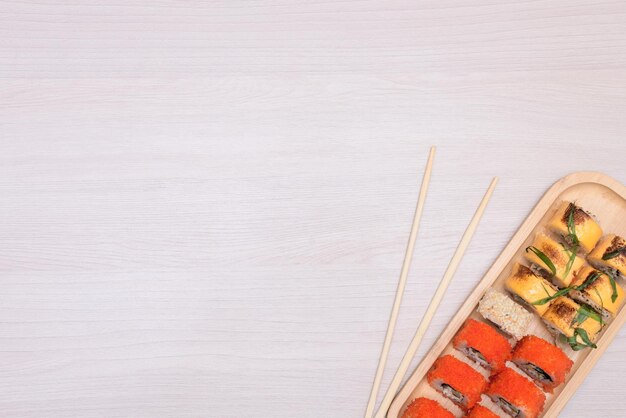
[578, 323]
[598, 290]
[530, 288]
[483, 344]
[516, 395]
[509, 316]
[457, 381]
[480, 411]
[426, 408]
[543, 362]
[555, 259]
[610, 255]
[576, 226]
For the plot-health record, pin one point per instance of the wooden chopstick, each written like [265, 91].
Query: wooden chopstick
[408, 255]
[434, 303]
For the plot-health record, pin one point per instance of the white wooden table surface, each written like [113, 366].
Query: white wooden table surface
[204, 205]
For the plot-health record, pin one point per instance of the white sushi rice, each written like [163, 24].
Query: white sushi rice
[529, 371]
[505, 313]
[607, 269]
[540, 271]
[449, 392]
[488, 403]
[508, 408]
[582, 297]
[552, 329]
[474, 355]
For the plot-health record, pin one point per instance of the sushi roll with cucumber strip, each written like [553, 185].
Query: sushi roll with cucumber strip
[481, 343]
[556, 260]
[543, 362]
[509, 316]
[599, 290]
[516, 395]
[426, 408]
[457, 381]
[530, 288]
[480, 411]
[577, 227]
[610, 256]
[579, 324]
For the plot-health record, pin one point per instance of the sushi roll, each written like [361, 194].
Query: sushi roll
[610, 256]
[509, 316]
[483, 344]
[578, 323]
[516, 395]
[576, 226]
[530, 288]
[457, 381]
[543, 362]
[598, 290]
[555, 259]
[480, 411]
[426, 408]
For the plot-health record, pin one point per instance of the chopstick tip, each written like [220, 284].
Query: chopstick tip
[493, 184]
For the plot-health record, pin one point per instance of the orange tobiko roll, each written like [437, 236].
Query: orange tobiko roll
[480, 411]
[483, 344]
[545, 363]
[426, 408]
[516, 395]
[457, 381]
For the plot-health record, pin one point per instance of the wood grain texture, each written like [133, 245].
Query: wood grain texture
[204, 206]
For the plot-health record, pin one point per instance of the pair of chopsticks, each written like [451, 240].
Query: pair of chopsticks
[434, 303]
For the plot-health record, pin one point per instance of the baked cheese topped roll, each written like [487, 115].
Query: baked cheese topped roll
[610, 255]
[530, 288]
[578, 323]
[576, 226]
[598, 290]
[554, 258]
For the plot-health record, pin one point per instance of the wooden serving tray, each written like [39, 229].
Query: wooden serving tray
[601, 195]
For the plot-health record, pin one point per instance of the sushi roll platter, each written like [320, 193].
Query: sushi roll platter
[540, 318]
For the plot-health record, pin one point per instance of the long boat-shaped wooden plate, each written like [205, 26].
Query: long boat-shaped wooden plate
[601, 195]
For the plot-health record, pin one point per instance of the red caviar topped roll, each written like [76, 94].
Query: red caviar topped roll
[545, 363]
[483, 344]
[457, 381]
[516, 395]
[480, 411]
[426, 408]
